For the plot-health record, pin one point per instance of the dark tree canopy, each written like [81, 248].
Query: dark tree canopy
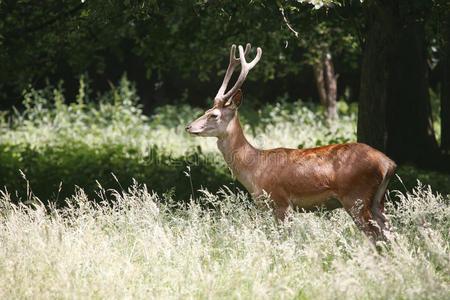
[384, 54]
[171, 42]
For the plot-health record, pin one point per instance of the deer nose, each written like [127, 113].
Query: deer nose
[188, 127]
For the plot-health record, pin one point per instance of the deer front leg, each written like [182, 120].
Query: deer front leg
[281, 213]
[281, 208]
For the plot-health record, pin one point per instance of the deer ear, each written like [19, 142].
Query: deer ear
[237, 98]
[235, 101]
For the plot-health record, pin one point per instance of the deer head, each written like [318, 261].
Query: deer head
[215, 120]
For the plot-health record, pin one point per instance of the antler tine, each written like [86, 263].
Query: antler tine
[256, 59]
[245, 68]
[247, 49]
[234, 61]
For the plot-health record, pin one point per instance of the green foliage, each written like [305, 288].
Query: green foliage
[435, 102]
[151, 38]
[59, 146]
[409, 175]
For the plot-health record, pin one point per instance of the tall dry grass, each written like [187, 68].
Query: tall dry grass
[142, 245]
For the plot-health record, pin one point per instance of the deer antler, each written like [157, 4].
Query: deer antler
[245, 68]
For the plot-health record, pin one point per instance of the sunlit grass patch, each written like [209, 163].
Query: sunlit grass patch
[138, 244]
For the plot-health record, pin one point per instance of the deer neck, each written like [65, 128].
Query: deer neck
[239, 154]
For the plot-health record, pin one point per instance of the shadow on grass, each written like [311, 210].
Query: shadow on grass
[54, 172]
[439, 182]
[80, 165]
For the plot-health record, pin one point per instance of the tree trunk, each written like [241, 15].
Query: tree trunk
[445, 98]
[320, 82]
[409, 125]
[331, 79]
[326, 81]
[373, 92]
[394, 110]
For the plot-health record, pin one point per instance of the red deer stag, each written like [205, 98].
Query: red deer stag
[353, 175]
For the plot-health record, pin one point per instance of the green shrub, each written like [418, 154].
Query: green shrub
[59, 145]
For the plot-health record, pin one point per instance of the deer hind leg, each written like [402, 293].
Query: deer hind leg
[367, 208]
[377, 208]
[377, 211]
[358, 205]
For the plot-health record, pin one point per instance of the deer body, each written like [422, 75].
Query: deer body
[353, 175]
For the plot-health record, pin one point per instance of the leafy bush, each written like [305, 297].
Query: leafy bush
[59, 145]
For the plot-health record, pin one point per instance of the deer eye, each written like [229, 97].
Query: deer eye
[214, 116]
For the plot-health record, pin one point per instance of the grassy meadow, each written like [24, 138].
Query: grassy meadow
[101, 201]
[137, 244]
